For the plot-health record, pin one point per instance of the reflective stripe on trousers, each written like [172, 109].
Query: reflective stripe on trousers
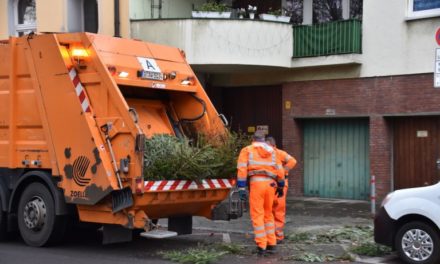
[279, 233]
[261, 199]
[279, 212]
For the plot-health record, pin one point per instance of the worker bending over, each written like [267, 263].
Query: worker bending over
[258, 162]
[279, 206]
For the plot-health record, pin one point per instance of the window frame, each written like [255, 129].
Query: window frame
[22, 28]
[411, 14]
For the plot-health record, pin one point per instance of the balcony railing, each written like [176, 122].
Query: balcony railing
[232, 42]
[340, 37]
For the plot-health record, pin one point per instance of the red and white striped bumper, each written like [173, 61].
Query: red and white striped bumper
[180, 185]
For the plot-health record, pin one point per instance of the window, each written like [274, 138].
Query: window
[326, 11]
[423, 8]
[90, 11]
[263, 5]
[25, 17]
[82, 15]
[356, 9]
[295, 9]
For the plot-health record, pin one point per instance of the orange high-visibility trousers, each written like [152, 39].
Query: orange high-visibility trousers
[279, 212]
[261, 199]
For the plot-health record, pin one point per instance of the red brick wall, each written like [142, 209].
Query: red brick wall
[293, 143]
[380, 155]
[368, 97]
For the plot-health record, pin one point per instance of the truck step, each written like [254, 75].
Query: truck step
[158, 234]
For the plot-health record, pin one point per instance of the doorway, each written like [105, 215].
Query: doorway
[416, 151]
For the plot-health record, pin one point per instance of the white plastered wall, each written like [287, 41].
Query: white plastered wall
[141, 9]
[393, 45]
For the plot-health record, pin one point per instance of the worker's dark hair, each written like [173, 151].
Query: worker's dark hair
[271, 140]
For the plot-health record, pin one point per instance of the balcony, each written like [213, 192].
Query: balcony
[237, 45]
[333, 38]
[226, 45]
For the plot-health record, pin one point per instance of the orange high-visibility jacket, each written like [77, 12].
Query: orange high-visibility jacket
[258, 159]
[288, 161]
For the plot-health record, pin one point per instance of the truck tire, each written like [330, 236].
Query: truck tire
[418, 243]
[37, 221]
[3, 220]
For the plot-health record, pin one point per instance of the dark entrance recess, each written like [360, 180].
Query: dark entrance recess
[91, 16]
[246, 107]
[416, 151]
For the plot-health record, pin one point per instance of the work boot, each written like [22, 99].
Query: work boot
[271, 249]
[261, 252]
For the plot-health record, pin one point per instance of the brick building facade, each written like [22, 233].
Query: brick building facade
[380, 99]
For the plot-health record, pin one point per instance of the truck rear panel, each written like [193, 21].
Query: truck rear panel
[80, 106]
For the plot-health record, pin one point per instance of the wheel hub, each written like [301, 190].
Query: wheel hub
[417, 245]
[35, 213]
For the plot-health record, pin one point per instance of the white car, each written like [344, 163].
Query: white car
[409, 222]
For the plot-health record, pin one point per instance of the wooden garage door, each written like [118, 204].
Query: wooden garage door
[336, 158]
[415, 151]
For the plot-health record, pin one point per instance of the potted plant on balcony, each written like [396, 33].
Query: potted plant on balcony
[241, 12]
[212, 9]
[252, 10]
[275, 15]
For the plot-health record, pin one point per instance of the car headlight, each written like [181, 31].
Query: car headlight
[387, 199]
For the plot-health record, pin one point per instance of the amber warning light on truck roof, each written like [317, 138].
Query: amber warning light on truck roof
[79, 53]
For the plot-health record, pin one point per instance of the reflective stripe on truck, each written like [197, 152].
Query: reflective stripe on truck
[177, 185]
[79, 89]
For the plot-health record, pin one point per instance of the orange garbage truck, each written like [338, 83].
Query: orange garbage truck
[75, 110]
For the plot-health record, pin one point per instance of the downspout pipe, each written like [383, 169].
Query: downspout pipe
[117, 20]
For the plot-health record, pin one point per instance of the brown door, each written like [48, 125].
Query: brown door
[248, 107]
[416, 151]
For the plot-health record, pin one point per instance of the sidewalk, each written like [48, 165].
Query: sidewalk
[302, 214]
[310, 215]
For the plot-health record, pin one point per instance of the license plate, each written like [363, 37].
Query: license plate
[151, 75]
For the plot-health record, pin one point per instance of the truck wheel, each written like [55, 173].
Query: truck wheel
[37, 221]
[2, 222]
[418, 243]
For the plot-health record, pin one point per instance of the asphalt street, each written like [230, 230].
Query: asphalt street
[84, 246]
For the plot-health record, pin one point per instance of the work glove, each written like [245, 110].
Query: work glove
[279, 192]
[242, 194]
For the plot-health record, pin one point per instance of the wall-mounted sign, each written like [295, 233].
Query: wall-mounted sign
[263, 128]
[287, 105]
[251, 129]
[330, 111]
[422, 133]
[437, 68]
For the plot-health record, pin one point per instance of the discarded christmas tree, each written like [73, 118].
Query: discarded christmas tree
[207, 157]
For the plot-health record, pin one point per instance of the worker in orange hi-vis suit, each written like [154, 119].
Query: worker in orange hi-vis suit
[279, 207]
[258, 163]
